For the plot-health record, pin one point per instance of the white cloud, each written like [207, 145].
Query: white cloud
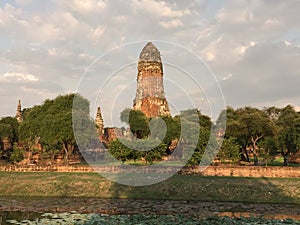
[171, 23]
[227, 77]
[243, 48]
[13, 77]
[86, 7]
[257, 41]
[158, 8]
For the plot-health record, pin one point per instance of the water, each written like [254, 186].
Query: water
[12, 215]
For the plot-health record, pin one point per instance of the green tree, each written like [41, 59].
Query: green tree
[155, 154]
[202, 141]
[137, 121]
[17, 154]
[249, 126]
[52, 122]
[12, 128]
[6, 131]
[121, 152]
[288, 125]
[268, 148]
[229, 151]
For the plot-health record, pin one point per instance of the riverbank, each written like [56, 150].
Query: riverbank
[143, 206]
[277, 198]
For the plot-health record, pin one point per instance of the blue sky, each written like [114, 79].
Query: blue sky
[250, 49]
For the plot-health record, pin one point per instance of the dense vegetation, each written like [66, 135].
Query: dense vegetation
[46, 129]
[251, 134]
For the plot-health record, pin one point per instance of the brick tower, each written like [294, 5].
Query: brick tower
[150, 96]
[19, 114]
[99, 122]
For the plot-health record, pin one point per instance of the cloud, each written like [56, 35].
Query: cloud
[47, 49]
[171, 23]
[15, 77]
[227, 77]
[158, 9]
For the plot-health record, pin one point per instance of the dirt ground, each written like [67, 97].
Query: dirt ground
[135, 206]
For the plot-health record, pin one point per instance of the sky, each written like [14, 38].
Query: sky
[215, 53]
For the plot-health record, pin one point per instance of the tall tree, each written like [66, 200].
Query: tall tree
[288, 132]
[249, 126]
[11, 131]
[52, 123]
[137, 121]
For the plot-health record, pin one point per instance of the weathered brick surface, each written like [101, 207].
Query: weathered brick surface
[236, 171]
[150, 97]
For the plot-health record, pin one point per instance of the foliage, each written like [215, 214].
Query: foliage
[137, 121]
[125, 150]
[17, 154]
[173, 129]
[229, 151]
[52, 123]
[203, 138]
[121, 152]
[249, 126]
[9, 128]
[289, 131]
[6, 131]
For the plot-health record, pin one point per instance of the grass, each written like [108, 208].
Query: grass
[179, 187]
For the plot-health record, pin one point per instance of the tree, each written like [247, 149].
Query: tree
[12, 128]
[288, 125]
[155, 154]
[273, 113]
[137, 121]
[121, 152]
[17, 154]
[6, 131]
[173, 129]
[202, 141]
[268, 148]
[52, 122]
[229, 151]
[249, 126]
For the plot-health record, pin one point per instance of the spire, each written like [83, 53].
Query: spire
[99, 122]
[150, 53]
[150, 96]
[19, 115]
[19, 106]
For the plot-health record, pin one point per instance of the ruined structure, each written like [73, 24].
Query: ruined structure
[112, 134]
[150, 97]
[99, 122]
[19, 114]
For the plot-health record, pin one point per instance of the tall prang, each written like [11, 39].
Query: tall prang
[150, 96]
[19, 114]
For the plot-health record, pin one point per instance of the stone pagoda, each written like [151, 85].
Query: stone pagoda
[150, 97]
[19, 114]
[99, 122]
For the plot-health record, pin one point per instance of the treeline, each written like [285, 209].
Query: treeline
[266, 133]
[247, 134]
[47, 130]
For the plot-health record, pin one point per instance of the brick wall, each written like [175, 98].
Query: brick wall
[236, 171]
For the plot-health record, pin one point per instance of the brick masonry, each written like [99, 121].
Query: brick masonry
[234, 171]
